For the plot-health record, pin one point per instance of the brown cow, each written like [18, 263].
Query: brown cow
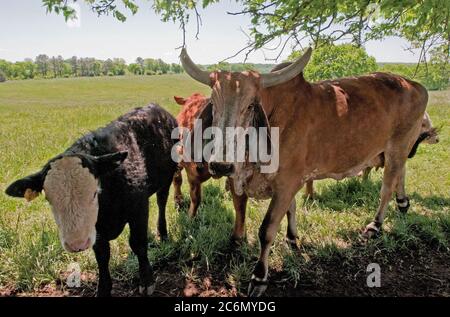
[329, 129]
[428, 135]
[198, 173]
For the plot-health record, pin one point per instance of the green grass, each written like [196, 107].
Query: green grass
[40, 118]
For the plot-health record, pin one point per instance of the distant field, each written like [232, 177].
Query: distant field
[40, 118]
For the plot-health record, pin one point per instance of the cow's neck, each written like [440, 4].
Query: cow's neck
[278, 101]
[85, 145]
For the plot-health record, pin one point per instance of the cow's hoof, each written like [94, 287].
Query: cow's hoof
[292, 244]
[104, 288]
[179, 202]
[256, 288]
[163, 237]
[403, 205]
[371, 231]
[237, 242]
[103, 293]
[147, 290]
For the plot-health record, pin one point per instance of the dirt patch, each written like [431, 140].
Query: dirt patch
[406, 275]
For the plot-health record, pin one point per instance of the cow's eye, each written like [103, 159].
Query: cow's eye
[95, 194]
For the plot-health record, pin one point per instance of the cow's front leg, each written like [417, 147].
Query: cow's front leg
[392, 174]
[177, 182]
[138, 243]
[195, 194]
[240, 206]
[267, 232]
[102, 255]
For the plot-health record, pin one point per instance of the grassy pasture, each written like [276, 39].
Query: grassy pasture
[40, 118]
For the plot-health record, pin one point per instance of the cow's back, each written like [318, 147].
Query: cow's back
[145, 133]
[191, 110]
[336, 126]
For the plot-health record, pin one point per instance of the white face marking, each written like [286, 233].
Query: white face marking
[72, 193]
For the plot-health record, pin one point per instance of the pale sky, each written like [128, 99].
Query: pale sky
[26, 30]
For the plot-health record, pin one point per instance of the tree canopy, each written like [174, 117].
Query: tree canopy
[425, 23]
[334, 61]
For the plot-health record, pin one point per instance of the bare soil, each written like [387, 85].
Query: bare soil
[406, 276]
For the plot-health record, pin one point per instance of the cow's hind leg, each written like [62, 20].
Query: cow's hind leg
[161, 198]
[394, 169]
[138, 243]
[291, 235]
[309, 190]
[366, 173]
[401, 197]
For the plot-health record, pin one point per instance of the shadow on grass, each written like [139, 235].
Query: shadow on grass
[348, 193]
[410, 252]
[355, 192]
[413, 254]
[432, 202]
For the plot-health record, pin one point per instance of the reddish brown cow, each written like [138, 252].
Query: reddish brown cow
[329, 129]
[198, 173]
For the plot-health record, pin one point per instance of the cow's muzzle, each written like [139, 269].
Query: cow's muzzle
[221, 169]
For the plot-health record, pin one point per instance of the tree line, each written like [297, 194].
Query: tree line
[44, 66]
[329, 61]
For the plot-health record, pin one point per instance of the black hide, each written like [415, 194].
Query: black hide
[131, 158]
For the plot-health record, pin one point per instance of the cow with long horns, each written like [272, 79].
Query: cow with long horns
[198, 173]
[329, 129]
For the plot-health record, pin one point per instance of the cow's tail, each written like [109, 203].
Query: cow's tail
[422, 137]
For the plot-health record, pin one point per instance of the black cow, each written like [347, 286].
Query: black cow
[104, 181]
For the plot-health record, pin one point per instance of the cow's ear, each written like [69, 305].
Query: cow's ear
[260, 120]
[28, 187]
[206, 115]
[109, 162]
[259, 117]
[179, 100]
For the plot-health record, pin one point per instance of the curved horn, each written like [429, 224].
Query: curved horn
[193, 70]
[287, 73]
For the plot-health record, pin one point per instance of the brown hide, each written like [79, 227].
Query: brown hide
[196, 173]
[331, 128]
